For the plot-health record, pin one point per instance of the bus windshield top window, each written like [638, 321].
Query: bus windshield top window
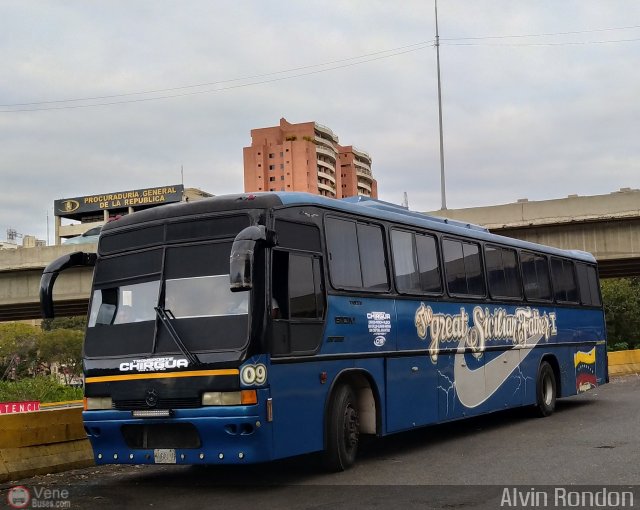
[191, 282]
[204, 296]
[125, 304]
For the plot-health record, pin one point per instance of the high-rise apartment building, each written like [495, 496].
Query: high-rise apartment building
[306, 157]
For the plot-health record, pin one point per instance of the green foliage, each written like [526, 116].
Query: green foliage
[42, 388]
[621, 346]
[19, 348]
[64, 347]
[27, 351]
[78, 322]
[621, 298]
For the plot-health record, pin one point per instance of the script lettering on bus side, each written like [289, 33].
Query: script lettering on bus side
[485, 325]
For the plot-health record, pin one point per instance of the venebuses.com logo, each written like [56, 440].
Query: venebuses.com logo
[38, 497]
[18, 497]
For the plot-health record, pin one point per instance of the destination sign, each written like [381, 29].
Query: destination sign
[119, 200]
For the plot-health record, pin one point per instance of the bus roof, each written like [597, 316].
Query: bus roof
[379, 209]
[362, 206]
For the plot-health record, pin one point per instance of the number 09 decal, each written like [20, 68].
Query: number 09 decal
[253, 374]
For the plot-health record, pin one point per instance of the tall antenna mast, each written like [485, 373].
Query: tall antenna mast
[442, 183]
[182, 174]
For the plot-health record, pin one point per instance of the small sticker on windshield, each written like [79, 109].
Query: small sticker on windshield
[127, 298]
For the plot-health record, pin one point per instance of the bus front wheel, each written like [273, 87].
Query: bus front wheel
[545, 390]
[343, 430]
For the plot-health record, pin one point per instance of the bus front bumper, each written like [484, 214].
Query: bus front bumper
[206, 435]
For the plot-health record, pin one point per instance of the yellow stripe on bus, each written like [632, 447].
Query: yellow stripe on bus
[155, 375]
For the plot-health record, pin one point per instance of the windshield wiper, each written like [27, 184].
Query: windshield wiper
[165, 317]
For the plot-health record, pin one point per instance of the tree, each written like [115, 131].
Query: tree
[64, 347]
[621, 299]
[78, 323]
[18, 350]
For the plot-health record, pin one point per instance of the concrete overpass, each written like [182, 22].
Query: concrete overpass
[606, 225]
[20, 272]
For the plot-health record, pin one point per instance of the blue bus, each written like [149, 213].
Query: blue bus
[252, 327]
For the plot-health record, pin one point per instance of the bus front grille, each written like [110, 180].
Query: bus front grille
[161, 435]
[163, 403]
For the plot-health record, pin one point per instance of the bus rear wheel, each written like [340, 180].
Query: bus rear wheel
[545, 390]
[343, 430]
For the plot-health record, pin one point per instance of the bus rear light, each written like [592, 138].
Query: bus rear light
[229, 398]
[97, 403]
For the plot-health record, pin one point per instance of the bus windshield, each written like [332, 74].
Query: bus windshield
[190, 282]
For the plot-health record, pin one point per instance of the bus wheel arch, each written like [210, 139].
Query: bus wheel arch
[547, 385]
[352, 408]
[553, 361]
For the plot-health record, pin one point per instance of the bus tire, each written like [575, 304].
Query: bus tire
[546, 388]
[343, 430]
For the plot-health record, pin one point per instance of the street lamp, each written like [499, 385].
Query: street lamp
[442, 183]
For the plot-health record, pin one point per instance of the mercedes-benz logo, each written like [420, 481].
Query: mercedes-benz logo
[152, 398]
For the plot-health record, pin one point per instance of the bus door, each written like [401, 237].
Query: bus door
[296, 307]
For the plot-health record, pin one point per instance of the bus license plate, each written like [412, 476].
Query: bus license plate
[164, 456]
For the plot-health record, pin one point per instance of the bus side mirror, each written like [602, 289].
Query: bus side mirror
[241, 259]
[51, 272]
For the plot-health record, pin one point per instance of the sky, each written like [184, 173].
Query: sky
[540, 99]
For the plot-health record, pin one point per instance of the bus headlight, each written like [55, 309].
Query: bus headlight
[97, 403]
[229, 398]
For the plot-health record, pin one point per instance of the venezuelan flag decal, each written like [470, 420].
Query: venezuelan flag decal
[585, 363]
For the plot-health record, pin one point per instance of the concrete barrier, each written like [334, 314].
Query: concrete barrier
[42, 442]
[624, 362]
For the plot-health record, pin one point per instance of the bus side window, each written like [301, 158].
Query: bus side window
[279, 283]
[502, 272]
[297, 290]
[415, 262]
[564, 280]
[535, 275]
[463, 268]
[357, 257]
[588, 283]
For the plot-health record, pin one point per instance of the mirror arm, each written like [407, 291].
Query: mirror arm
[51, 272]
